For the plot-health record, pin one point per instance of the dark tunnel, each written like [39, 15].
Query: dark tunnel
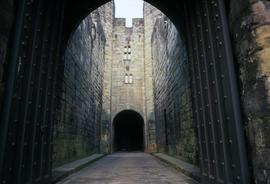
[128, 131]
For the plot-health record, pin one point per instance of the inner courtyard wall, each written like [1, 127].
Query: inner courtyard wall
[175, 128]
[249, 23]
[127, 79]
[77, 129]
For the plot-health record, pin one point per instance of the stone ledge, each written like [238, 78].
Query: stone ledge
[70, 168]
[186, 168]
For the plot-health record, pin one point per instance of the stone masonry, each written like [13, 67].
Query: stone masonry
[128, 67]
[151, 14]
[132, 60]
[176, 132]
[107, 12]
[127, 90]
[77, 129]
[92, 52]
[250, 28]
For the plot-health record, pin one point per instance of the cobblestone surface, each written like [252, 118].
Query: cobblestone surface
[128, 168]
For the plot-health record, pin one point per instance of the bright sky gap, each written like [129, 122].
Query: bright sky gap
[129, 9]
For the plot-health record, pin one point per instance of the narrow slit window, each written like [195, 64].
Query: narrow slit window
[126, 79]
[125, 56]
[130, 78]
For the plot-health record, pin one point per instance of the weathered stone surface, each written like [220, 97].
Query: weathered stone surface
[185, 167]
[250, 25]
[128, 168]
[129, 53]
[172, 92]
[77, 130]
[69, 168]
[127, 79]
[151, 14]
[127, 63]
[107, 14]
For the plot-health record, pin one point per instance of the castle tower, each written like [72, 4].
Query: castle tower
[127, 77]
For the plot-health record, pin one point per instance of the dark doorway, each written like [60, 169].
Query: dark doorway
[128, 131]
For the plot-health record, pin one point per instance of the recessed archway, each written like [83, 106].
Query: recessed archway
[128, 131]
[61, 17]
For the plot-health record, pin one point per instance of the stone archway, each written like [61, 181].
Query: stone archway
[60, 19]
[128, 126]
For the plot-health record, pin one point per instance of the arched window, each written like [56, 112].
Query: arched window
[130, 78]
[93, 31]
[127, 53]
[126, 79]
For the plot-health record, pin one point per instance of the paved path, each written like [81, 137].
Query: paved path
[128, 168]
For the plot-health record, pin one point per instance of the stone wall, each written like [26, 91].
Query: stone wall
[172, 92]
[127, 79]
[77, 129]
[107, 13]
[249, 23]
[151, 14]
[250, 27]
[127, 90]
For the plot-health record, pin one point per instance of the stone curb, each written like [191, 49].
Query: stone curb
[63, 171]
[186, 168]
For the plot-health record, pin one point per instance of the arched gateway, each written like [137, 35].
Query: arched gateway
[128, 135]
[39, 35]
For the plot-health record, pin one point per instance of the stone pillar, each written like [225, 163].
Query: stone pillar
[250, 27]
[151, 14]
[107, 12]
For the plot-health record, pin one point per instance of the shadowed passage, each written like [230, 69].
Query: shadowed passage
[128, 131]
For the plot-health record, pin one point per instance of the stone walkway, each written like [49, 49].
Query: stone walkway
[128, 168]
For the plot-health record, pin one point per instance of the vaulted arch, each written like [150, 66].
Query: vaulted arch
[40, 33]
[76, 12]
[128, 135]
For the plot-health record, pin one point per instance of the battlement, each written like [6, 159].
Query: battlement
[136, 22]
[120, 22]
